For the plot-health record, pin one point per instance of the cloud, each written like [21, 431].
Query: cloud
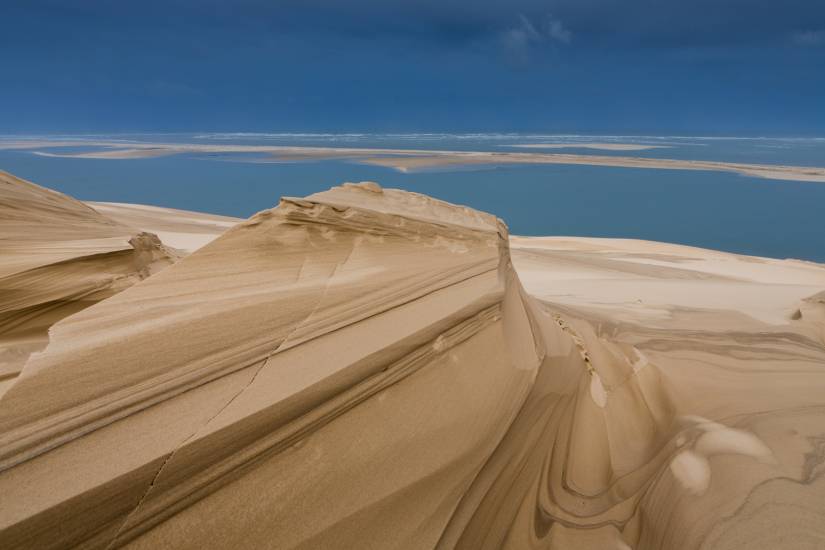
[555, 30]
[520, 40]
[809, 38]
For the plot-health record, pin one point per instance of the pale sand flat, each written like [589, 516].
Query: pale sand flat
[413, 163]
[409, 160]
[585, 145]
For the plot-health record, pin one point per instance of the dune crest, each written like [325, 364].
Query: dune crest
[362, 368]
[319, 310]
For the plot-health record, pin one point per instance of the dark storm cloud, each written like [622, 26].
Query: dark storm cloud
[655, 23]
[733, 65]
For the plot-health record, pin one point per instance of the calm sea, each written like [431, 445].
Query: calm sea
[725, 211]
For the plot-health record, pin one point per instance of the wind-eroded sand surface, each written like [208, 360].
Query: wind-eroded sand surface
[59, 255]
[372, 368]
[406, 160]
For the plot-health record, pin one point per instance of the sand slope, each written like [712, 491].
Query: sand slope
[683, 409]
[362, 368]
[60, 255]
[234, 363]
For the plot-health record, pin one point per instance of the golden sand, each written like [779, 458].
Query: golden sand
[373, 368]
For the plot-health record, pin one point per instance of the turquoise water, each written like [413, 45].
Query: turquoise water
[725, 211]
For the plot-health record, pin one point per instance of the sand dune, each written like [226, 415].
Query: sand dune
[362, 368]
[708, 371]
[318, 323]
[59, 256]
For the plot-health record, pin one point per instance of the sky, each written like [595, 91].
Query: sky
[690, 67]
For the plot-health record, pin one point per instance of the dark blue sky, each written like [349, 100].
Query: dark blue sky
[635, 66]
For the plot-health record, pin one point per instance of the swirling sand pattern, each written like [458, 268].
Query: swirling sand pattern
[362, 368]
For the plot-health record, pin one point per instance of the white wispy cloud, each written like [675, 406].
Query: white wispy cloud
[526, 35]
[555, 30]
[809, 37]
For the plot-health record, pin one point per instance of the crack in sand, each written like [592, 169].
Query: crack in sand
[171, 455]
[177, 448]
[317, 305]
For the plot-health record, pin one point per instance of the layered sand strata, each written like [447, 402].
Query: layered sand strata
[59, 255]
[305, 337]
[362, 368]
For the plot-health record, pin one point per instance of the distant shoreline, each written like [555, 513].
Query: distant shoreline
[586, 145]
[407, 160]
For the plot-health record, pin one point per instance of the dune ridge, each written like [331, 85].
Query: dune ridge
[293, 285]
[364, 368]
